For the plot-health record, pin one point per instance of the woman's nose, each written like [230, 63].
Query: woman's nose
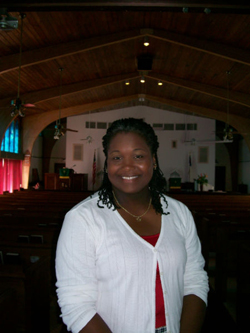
[128, 163]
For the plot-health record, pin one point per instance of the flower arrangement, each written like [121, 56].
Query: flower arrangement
[202, 179]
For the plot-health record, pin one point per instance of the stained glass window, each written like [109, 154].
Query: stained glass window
[10, 141]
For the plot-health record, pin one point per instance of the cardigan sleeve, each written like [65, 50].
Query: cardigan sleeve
[195, 277]
[75, 271]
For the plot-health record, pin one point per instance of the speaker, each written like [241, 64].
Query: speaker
[144, 63]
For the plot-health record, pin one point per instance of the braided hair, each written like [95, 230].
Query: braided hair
[157, 185]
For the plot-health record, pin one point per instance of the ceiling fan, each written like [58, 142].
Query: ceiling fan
[7, 22]
[89, 139]
[228, 132]
[59, 128]
[17, 105]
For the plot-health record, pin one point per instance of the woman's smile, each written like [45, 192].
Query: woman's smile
[129, 178]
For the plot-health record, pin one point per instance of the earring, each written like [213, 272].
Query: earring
[155, 166]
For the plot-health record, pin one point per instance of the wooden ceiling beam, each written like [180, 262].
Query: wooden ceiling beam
[37, 56]
[234, 96]
[30, 5]
[47, 94]
[217, 49]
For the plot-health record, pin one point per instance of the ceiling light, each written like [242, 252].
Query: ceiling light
[142, 80]
[146, 41]
[127, 83]
[160, 83]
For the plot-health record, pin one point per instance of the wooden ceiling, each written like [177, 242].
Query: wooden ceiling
[98, 44]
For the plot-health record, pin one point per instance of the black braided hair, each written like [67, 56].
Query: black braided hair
[157, 185]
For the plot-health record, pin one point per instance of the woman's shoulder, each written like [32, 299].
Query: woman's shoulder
[173, 203]
[91, 207]
[177, 211]
[91, 200]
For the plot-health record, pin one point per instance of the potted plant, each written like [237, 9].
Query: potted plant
[202, 180]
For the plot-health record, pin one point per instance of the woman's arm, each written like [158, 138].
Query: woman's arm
[96, 324]
[193, 314]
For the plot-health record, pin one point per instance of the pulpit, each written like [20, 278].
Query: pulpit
[65, 181]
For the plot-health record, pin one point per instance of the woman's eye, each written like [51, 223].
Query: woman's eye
[116, 158]
[139, 157]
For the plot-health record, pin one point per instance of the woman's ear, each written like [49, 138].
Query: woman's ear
[154, 162]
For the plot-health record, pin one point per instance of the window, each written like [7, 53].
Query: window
[168, 127]
[158, 126]
[90, 124]
[11, 138]
[101, 125]
[77, 152]
[203, 155]
[180, 127]
[192, 127]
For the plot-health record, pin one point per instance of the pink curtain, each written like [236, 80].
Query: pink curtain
[10, 175]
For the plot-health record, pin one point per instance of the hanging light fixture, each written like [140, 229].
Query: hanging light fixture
[228, 132]
[146, 41]
[142, 80]
[127, 83]
[160, 83]
[58, 127]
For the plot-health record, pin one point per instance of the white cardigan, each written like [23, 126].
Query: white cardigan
[104, 267]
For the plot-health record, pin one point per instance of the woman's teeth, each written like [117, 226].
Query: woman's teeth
[128, 178]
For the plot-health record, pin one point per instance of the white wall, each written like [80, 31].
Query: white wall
[170, 159]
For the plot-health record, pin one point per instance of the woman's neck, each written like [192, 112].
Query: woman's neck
[140, 198]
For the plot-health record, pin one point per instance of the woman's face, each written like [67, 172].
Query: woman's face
[129, 163]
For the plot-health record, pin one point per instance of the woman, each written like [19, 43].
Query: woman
[128, 258]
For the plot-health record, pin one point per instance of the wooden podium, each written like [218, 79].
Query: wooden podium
[74, 182]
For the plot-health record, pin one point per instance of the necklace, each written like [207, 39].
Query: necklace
[138, 218]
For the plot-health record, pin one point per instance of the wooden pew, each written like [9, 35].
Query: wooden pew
[30, 284]
[243, 286]
[8, 310]
[229, 238]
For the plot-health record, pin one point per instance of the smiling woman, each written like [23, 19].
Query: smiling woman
[128, 257]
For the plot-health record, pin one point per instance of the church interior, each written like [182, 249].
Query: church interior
[68, 69]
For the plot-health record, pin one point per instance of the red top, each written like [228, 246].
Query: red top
[159, 301]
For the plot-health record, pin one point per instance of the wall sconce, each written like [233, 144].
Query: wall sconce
[146, 41]
[142, 80]
[160, 83]
[127, 83]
